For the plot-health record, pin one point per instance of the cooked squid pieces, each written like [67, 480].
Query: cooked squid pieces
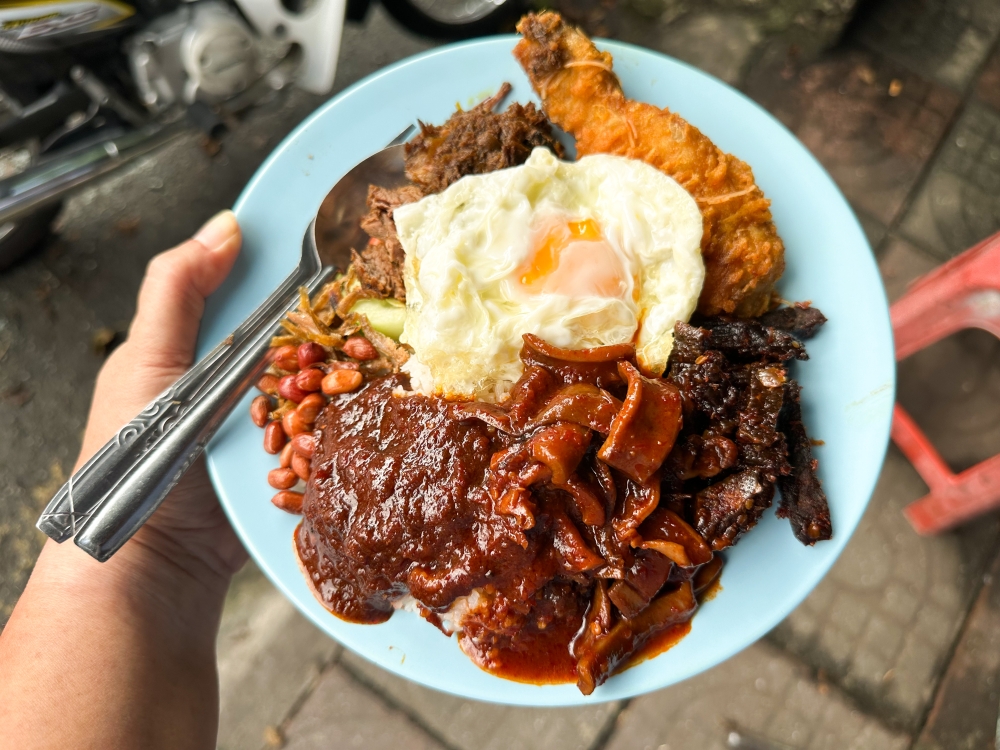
[602, 251]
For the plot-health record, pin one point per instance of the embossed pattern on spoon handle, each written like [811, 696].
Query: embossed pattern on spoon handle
[76, 500]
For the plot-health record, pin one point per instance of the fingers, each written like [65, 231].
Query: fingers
[172, 296]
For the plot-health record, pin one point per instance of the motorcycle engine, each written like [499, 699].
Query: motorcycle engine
[202, 51]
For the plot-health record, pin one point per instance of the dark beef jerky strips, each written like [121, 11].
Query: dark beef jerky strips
[803, 501]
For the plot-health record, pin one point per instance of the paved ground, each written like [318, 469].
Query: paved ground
[899, 647]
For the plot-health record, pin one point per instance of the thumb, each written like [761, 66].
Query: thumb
[172, 295]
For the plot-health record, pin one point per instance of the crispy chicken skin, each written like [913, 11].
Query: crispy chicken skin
[743, 254]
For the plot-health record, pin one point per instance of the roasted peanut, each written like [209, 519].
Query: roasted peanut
[310, 407]
[304, 444]
[293, 424]
[282, 479]
[301, 465]
[310, 353]
[310, 380]
[260, 407]
[285, 459]
[268, 383]
[274, 438]
[287, 357]
[289, 500]
[360, 348]
[287, 388]
[341, 381]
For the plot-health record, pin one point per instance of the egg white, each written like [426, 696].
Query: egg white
[465, 311]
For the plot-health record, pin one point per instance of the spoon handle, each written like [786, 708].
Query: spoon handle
[75, 502]
[168, 455]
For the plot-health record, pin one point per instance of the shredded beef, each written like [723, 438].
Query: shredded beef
[380, 265]
[477, 142]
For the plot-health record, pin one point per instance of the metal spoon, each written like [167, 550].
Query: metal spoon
[116, 491]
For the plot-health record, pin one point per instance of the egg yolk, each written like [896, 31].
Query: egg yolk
[572, 258]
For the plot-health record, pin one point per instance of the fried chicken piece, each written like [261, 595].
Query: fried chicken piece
[477, 142]
[743, 254]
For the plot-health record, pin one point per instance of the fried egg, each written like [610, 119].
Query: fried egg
[604, 250]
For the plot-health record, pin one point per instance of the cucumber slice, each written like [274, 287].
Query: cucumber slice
[385, 315]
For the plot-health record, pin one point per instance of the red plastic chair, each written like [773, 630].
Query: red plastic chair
[963, 293]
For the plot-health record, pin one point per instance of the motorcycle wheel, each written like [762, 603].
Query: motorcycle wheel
[18, 238]
[455, 19]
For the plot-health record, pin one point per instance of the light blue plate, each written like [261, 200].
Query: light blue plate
[849, 381]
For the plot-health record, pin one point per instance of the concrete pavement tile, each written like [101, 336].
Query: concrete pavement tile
[848, 616]
[988, 84]
[916, 589]
[901, 263]
[811, 24]
[964, 714]
[931, 623]
[912, 679]
[959, 202]
[762, 695]
[944, 40]
[872, 124]
[47, 368]
[471, 725]
[270, 656]
[379, 42]
[881, 639]
[877, 650]
[719, 43]
[901, 600]
[342, 714]
[892, 605]
[952, 389]
[162, 199]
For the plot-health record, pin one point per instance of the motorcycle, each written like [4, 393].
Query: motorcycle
[89, 85]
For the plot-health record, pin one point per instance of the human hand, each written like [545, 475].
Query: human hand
[122, 653]
[189, 529]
